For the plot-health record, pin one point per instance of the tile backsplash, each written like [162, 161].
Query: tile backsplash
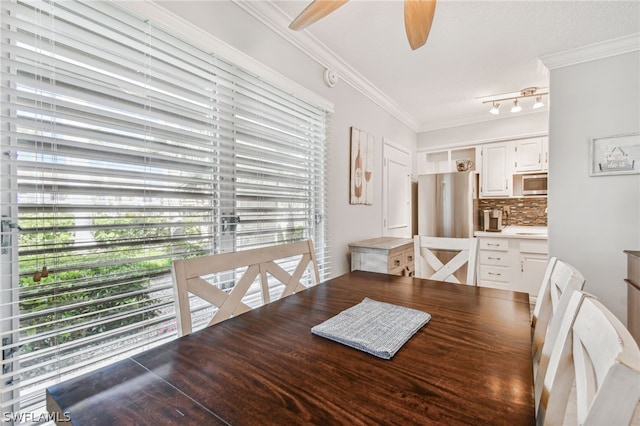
[525, 211]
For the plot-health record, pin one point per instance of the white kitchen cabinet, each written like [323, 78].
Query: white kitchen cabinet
[433, 162]
[494, 269]
[497, 170]
[545, 154]
[528, 153]
[499, 164]
[512, 263]
[444, 161]
[531, 155]
[532, 268]
[464, 154]
[533, 257]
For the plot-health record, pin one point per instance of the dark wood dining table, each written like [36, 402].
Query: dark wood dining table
[470, 364]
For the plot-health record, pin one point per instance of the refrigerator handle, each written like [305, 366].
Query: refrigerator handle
[446, 220]
[443, 192]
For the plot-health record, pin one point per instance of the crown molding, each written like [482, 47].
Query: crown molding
[276, 20]
[469, 121]
[592, 52]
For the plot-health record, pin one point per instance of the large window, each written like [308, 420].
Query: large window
[124, 147]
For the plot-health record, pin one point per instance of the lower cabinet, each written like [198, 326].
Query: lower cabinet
[387, 255]
[494, 263]
[516, 264]
[532, 268]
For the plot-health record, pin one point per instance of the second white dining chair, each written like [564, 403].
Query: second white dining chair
[560, 280]
[439, 258]
[594, 350]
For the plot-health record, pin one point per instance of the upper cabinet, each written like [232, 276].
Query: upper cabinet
[500, 165]
[545, 153]
[497, 170]
[446, 160]
[531, 155]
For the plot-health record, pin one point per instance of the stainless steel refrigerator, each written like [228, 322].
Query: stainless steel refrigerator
[447, 204]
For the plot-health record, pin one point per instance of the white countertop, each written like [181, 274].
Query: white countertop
[531, 232]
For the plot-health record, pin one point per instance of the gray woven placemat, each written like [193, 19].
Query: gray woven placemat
[375, 327]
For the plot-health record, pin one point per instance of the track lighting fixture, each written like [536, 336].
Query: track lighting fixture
[539, 103]
[524, 93]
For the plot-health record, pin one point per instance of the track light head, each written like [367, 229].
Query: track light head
[516, 107]
[495, 109]
[539, 103]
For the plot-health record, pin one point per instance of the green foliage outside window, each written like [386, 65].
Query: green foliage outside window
[98, 283]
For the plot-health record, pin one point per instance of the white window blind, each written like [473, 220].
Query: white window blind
[124, 147]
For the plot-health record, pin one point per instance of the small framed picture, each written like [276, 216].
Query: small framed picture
[615, 155]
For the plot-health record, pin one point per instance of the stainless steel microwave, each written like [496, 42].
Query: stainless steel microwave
[534, 184]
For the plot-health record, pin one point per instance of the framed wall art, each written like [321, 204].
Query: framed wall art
[362, 160]
[615, 155]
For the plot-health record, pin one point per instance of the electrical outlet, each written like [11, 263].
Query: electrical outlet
[506, 209]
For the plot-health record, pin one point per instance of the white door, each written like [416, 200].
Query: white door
[396, 191]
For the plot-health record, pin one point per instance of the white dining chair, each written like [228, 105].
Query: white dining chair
[595, 351]
[440, 258]
[559, 281]
[571, 300]
[213, 279]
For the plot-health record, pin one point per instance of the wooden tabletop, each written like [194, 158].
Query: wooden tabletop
[471, 364]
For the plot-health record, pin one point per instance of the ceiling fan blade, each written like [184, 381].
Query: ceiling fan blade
[418, 16]
[317, 10]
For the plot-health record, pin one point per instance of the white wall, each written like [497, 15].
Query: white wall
[346, 223]
[593, 219]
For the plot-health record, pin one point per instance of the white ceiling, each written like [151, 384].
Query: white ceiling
[475, 49]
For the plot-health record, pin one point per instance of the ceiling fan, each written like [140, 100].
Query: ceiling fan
[418, 16]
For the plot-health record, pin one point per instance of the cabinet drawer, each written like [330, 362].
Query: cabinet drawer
[408, 257]
[497, 258]
[501, 244]
[534, 246]
[494, 273]
[396, 261]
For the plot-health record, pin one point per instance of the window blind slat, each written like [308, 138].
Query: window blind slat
[125, 147]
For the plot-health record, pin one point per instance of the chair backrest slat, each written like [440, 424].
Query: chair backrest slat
[261, 263]
[429, 265]
[561, 279]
